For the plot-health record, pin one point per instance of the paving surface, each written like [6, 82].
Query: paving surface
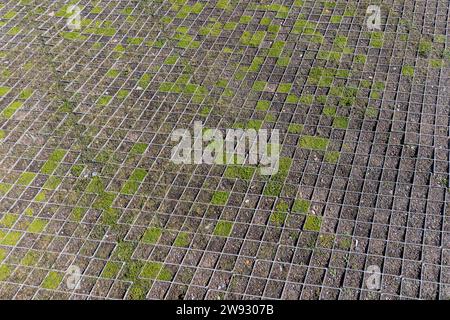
[88, 191]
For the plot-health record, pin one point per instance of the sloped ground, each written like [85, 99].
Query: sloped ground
[86, 181]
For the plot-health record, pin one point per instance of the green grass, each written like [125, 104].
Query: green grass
[262, 105]
[152, 235]
[26, 93]
[171, 60]
[284, 87]
[30, 259]
[135, 41]
[52, 183]
[220, 198]
[104, 100]
[312, 223]
[73, 35]
[295, 128]
[122, 94]
[132, 185]
[223, 228]
[8, 220]
[408, 71]
[37, 226]
[245, 19]
[425, 48]
[111, 270]
[110, 216]
[77, 169]
[205, 111]
[5, 271]
[9, 111]
[340, 123]
[314, 143]
[259, 86]
[307, 99]
[50, 166]
[4, 188]
[95, 186]
[145, 80]
[360, 58]
[301, 206]
[329, 111]
[52, 280]
[182, 240]
[26, 178]
[9, 15]
[3, 254]
[434, 63]
[254, 124]
[77, 214]
[336, 19]
[371, 112]
[139, 148]
[40, 197]
[273, 188]
[112, 73]
[279, 215]
[332, 156]
[10, 239]
[376, 39]
[240, 172]
[156, 270]
[4, 91]
[2, 134]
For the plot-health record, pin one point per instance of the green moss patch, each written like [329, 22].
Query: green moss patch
[4, 188]
[26, 178]
[220, 197]
[273, 188]
[40, 197]
[8, 220]
[223, 228]
[30, 259]
[301, 206]
[240, 172]
[111, 270]
[156, 270]
[332, 156]
[314, 143]
[4, 91]
[139, 148]
[10, 239]
[37, 226]
[182, 240]
[5, 271]
[340, 123]
[9, 111]
[52, 183]
[52, 280]
[3, 254]
[312, 223]
[78, 214]
[295, 128]
[408, 71]
[132, 185]
[152, 235]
